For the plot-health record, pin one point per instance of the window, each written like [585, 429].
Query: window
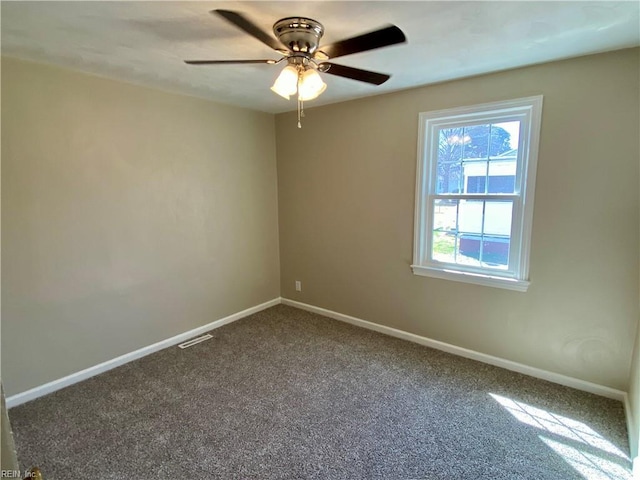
[474, 195]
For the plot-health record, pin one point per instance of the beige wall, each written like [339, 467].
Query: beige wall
[346, 185]
[129, 215]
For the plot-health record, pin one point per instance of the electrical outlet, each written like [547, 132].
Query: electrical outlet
[298, 286]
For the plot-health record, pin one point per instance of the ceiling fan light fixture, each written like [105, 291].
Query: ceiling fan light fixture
[287, 82]
[311, 85]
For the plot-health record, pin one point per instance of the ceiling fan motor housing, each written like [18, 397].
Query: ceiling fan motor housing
[299, 34]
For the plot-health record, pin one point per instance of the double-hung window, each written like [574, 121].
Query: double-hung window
[474, 195]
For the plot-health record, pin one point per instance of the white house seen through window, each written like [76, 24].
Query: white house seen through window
[474, 196]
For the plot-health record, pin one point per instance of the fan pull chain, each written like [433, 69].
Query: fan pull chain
[299, 101]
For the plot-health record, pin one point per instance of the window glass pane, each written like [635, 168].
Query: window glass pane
[475, 184]
[445, 215]
[477, 141]
[444, 246]
[468, 249]
[470, 216]
[474, 174]
[451, 146]
[497, 234]
[497, 217]
[501, 183]
[495, 252]
[500, 138]
[513, 131]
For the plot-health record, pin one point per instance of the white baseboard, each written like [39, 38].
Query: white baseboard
[36, 392]
[463, 352]
[50, 387]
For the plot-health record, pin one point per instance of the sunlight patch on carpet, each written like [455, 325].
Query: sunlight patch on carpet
[590, 454]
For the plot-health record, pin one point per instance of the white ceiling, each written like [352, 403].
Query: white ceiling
[146, 42]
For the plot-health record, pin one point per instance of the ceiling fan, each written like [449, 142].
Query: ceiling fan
[298, 40]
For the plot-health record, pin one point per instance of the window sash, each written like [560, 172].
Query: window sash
[514, 235]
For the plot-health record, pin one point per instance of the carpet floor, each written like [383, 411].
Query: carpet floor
[287, 394]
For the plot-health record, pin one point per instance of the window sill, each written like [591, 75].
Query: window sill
[476, 278]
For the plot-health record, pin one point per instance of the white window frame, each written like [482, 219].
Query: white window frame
[529, 112]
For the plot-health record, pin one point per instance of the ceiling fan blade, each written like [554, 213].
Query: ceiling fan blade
[227, 62]
[354, 73]
[250, 28]
[383, 37]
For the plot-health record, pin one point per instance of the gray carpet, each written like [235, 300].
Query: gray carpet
[286, 394]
